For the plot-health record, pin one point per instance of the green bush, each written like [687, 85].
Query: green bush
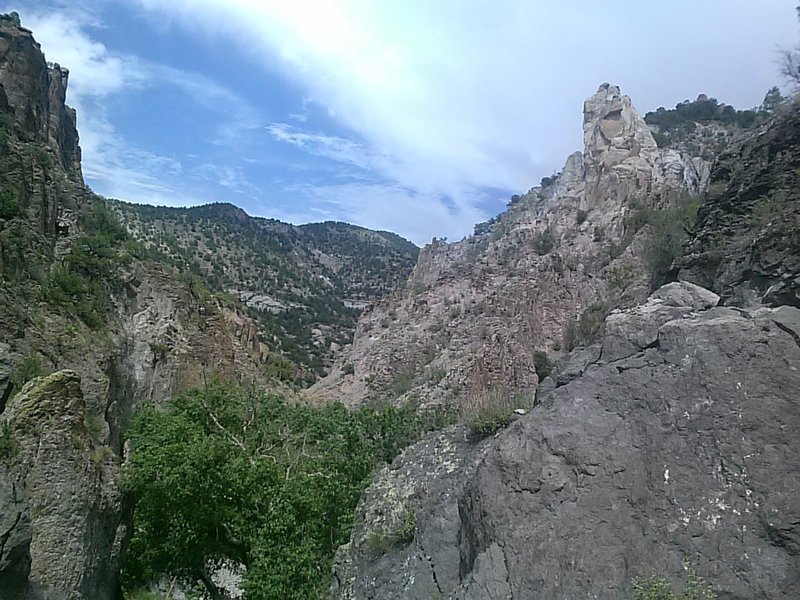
[543, 241]
[8, 447]
[379, 542]
[486, 412]
[27, 369]
[257, 480]
[9, 205]
[659, 588]
[587, 328]
[542, 365]
[669, 230]
[402, 382]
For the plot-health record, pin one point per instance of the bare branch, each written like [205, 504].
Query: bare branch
[233, 439]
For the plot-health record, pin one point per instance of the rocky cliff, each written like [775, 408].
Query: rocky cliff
[746, 243]
[669, 443]
[62, 535]
[665, 449]
[113, 331]
[474, 312]
[303, 285]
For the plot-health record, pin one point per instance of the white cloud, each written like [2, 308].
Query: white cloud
[330, 146]
[418, 216]
[438, 100]
[114, 166]
[455, 96]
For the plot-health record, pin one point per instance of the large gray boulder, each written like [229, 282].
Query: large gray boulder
[681, 448]
[59, 497]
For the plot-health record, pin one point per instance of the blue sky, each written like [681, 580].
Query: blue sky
[415, 116]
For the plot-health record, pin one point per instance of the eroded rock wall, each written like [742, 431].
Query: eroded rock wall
[60, 530]
[746, 244]
[474, 311]
[669, 445]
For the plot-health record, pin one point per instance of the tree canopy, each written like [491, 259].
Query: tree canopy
[227, 475]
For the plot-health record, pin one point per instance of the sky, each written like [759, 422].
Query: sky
[416, 116]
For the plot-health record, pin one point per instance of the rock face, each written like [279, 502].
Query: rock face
[474, 311]
[36, 93]
[746, 245]
[60, 532]
[676, 445]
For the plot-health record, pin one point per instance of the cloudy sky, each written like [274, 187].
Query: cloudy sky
[417, 116]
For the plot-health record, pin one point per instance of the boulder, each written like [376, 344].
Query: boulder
[682, 450]
[59, 498]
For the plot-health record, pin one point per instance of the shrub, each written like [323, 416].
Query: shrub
[543, 241]
[659, 588]
[670, 228]
[486, 412]
[542, 365]
[27, 369]
[581, 216]
[587, 327]
[436, 375]
[270, 485]
[348, 368]
[159, 350]
[8, 447]
[379, 542]
[402, 383]
[9, 205]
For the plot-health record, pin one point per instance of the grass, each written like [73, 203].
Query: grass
[380, 542]
[486, 412]
[660, 588]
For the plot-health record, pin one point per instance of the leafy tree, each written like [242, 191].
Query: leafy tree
[224, 475]
[772, 99]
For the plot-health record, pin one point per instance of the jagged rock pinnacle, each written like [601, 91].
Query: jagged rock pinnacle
[612, 129]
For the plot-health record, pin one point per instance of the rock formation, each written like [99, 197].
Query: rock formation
[671, 445]
[746, 244]
[665, 448]
[60, 504]
[61, 511]
[474, 311]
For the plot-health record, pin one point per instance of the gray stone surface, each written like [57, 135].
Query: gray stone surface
[746, 242]
[59, 499]
[685, 449]
[425, 480]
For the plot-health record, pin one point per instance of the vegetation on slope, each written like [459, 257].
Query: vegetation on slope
[295, 281]
[227, 475]
[675, 124]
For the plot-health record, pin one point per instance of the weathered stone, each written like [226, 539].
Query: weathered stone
[629, 332]
[475, 311]
[578, 361]
[425, 481]
[683, 293]
[685, 450]
[746, 242]
[59, 498]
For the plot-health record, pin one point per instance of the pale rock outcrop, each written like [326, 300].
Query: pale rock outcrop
[474, 311]
[176, 339]
[60, 531]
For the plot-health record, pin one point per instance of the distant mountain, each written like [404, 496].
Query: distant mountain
[304, 285]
